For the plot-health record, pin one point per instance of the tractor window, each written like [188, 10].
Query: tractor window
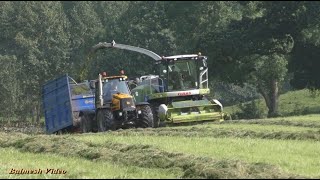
[114, 86]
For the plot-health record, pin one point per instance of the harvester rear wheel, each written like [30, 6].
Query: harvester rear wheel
[85, 124]
[105, 120]
[156, 120]
[146, 117]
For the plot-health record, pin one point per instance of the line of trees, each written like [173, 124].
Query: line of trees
[247, 42]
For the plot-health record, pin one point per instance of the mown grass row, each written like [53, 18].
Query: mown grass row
[256, 127]
[266, 141]
[312, 121]
[301, 157]
[143, 156]
[232, 149]
[289, 128]
[75, 167]
[224, 131]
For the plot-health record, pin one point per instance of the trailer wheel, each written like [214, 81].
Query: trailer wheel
[59, 132]
[105, 120]
[85, 124]
[146, 117]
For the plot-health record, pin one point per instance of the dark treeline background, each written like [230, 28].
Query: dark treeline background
[254, 48]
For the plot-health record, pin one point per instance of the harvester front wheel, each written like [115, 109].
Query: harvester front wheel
[146, 117]
[105, 120]
[227, 117]
[85, 124]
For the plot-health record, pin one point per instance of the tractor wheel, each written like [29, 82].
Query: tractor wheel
[85, 124]
[146, 117]
[105, 120]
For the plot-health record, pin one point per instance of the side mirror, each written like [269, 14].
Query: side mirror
[92, 84]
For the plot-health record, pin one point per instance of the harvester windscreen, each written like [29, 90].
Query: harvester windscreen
[114, 86]
[182, 75]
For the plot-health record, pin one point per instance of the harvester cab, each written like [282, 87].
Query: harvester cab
[184, 72]
[115, 107]
[178, 93]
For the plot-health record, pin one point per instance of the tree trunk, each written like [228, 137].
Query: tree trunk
[38, 112]
[265, 96]
[271, 98]
[273, 111]
[33, 111]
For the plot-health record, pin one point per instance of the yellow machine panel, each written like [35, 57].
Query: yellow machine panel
[115, 104]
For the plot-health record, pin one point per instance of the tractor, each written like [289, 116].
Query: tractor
[115, 107]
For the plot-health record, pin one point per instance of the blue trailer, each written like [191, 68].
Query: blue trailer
[64, 102]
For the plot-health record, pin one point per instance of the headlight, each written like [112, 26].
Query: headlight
[139, 112]
[120, 113]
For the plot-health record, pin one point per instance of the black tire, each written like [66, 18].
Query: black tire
[156, 119]
[85, 123]
[146, 117]
[76, 119]
[227, 117]
[94, 124]
[59, 132]
[105, 120]
[62, 131]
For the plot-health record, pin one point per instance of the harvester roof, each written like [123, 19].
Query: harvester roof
[185, 56]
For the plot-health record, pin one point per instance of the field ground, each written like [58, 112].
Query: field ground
[286, 147]
[76, 167]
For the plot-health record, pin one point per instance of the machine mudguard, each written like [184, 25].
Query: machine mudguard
[142, 103]
[87, 112]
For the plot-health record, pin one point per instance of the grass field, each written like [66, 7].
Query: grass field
[286, 147]
[291, 103]
[75, 167]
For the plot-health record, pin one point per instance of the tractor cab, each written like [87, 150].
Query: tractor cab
[110, 89]
[114, 85]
